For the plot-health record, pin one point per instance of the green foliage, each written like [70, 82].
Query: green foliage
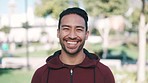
[105, 7]
[94, 7]
[52, 7]
[135, 17]
[5, 29]
[25, 25]
[146, 11]
[95, 32]
[125, 76]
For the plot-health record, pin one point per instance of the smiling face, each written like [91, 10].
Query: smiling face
[72, 34]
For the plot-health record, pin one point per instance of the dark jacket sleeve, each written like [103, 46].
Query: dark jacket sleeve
[106, 72]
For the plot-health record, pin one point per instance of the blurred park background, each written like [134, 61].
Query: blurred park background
[118, 35]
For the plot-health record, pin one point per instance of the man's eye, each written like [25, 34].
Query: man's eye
[79, 29]
[65, 28]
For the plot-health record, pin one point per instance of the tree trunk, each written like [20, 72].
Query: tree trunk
[142, 50]
[105, 43]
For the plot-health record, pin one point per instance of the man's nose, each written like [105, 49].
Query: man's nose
[72, 34]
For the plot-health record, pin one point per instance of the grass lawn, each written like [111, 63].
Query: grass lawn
[15, 76]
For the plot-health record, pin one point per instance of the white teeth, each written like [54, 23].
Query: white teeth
[71, 42]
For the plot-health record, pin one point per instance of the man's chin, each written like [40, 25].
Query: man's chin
[72, 51]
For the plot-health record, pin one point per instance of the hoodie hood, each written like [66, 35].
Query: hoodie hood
[55, 63]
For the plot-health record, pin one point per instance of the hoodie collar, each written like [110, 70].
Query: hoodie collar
[55, 63]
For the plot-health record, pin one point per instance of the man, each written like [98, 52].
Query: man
[73, 63]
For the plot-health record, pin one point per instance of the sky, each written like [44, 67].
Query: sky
[20, 5]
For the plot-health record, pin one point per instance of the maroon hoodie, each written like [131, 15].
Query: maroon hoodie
[91, 70]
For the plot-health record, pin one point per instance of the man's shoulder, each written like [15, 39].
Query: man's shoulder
[39, 74]
[42, 69]
[103, 68]
[105, 72]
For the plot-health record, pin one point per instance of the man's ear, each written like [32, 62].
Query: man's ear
[87, 34]
[58, 33]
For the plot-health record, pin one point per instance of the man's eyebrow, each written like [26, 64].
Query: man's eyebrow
[65, 26]
[80, 27]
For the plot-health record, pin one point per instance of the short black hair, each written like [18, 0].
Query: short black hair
[74, 10]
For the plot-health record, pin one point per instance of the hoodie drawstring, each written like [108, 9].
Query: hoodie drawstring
[94, 75]
[71, 76]
[48, 75]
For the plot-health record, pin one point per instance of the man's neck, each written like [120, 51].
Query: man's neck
[72, 60]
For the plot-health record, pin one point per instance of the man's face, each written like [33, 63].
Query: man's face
[72, 33]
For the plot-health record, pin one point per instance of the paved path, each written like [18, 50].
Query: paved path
[14, 62]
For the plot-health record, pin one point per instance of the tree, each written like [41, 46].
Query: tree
[105, 7]
[5, 29]
[143, 28]
[53, 7]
